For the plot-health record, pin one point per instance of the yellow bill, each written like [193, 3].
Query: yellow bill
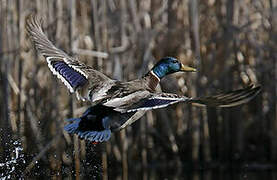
[187, 69]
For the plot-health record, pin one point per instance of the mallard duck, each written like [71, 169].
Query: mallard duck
[116, 104]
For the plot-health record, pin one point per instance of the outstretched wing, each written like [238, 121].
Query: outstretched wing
[72, 72]
[228, 99]
[156, 101]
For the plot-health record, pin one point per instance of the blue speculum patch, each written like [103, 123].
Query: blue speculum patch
[156, 102]
[73, 77]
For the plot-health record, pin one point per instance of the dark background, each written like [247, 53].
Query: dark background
[232, 43]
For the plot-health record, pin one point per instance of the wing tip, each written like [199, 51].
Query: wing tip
[33, 21]
[229, 99]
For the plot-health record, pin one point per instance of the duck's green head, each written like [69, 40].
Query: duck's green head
[169, 65]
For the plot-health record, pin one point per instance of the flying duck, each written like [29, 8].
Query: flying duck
[116, 104]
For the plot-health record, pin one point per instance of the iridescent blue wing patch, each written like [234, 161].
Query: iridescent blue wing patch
[157, 101]
[71, 78]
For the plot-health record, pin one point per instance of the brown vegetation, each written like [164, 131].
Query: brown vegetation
[232, 44]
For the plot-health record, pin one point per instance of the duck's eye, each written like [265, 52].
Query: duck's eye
[175, 61]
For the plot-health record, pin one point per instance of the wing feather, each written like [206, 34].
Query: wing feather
[156, 101]
[227, 99]
[72, 72]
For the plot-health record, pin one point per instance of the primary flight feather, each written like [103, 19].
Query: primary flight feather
[117, 104]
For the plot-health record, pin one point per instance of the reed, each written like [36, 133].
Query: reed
[233, 42]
